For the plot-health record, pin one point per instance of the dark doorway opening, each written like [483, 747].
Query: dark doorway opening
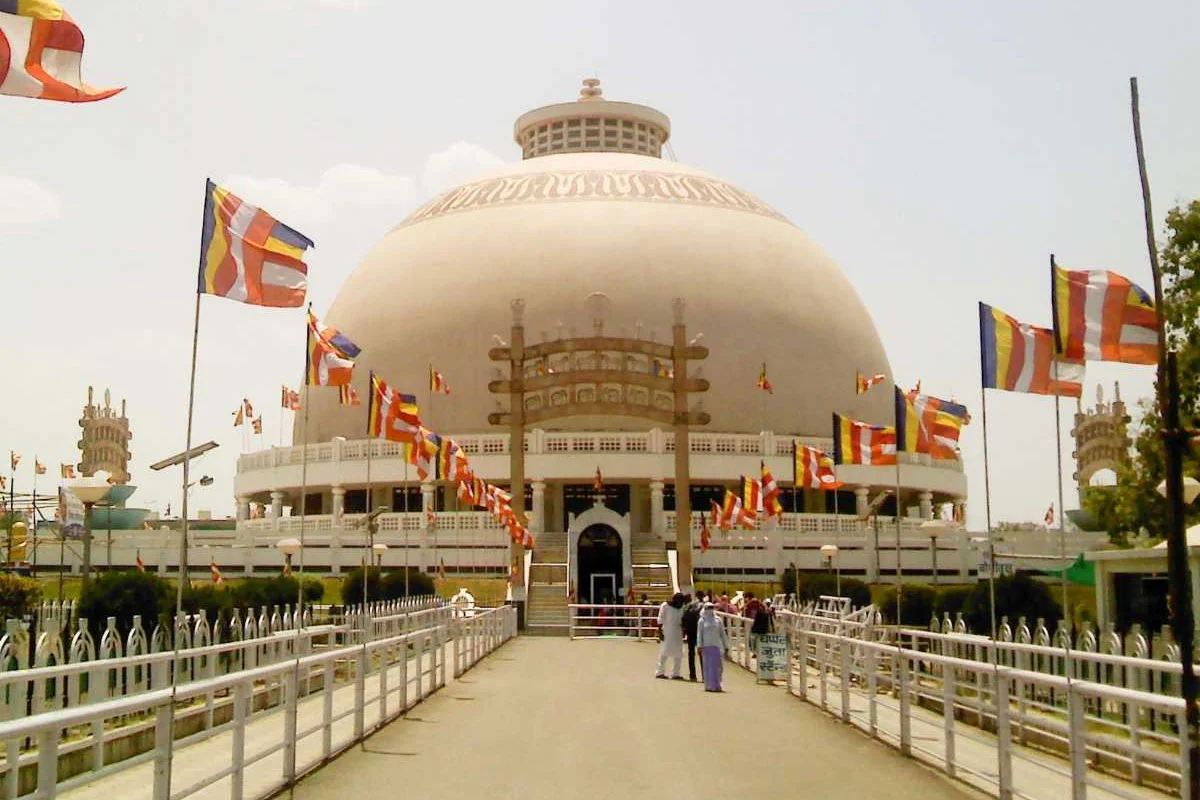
[601, 572]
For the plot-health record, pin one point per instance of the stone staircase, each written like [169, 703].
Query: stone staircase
[546, 604]
[651, 571]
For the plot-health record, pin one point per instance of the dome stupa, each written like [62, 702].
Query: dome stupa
[594, 211]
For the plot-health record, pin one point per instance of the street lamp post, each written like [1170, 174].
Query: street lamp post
[379, 549]
[289, 548]
[90, 490]
[933, 528]
[829, 553]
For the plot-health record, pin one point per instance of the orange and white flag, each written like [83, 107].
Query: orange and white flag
[216, 572]
[863, 383]
[141, 565]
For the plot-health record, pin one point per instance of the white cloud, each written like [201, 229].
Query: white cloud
[24, 202]
[358, 188]
[458, 163]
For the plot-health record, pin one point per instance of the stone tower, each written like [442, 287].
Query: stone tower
[105, 442]
[1101, 437]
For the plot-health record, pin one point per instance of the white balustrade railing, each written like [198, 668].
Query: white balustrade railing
[813, 523]
[370, 683]
[937, 707]
[541, 442]
[624, 621]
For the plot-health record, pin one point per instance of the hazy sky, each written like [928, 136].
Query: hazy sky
[939, 151]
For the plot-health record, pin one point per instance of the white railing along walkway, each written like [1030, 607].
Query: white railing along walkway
[969, 718]
[588, 621]
[271, 724]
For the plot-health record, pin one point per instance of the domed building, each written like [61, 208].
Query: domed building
[552, 295]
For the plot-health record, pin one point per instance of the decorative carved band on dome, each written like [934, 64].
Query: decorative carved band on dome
[548, 187]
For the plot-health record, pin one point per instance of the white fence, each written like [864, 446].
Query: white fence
[588, 621]
[258, 729]
[965, 715]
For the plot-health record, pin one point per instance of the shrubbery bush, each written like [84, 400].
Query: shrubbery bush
[388, 586]
[18, 596]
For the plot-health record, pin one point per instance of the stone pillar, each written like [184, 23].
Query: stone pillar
[339, 504]
[926, 501]
[861, 499]
[243, 508]
[276, 504]
[657, 522]
[539, 506]
[429, 507]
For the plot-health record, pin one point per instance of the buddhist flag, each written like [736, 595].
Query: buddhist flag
[770, 492]
[762, 382]
[392, 415]
[14, 458]
[442, 568]
[856, 442]
[216, 572]
[814, 469]
[598, 482]
[752, 496]
[926, 424]
[256, 424]
[1018, 357]
[239, 417]
[67, 471]
[863, 383]
[1102, 316]
[348, 396]
[38, 467]
[249, 408]
[705, 536]
[437, 382]
[249, 256]
[289, 399]
[41, 53]
[326, 364]
[1049, 518]
[141, 565]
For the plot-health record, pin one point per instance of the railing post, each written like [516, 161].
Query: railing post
[802, 651]
[843, 645]
[822, 654]
[404, 675]
[383, 671]
[162, 751]
[238, 754]
[948, 716]
[441, 654]
[360, 690]
[458, 632]
[1003, 737]
[47, 769]
[327, 709]
[905, 710]
[872, 690]
[291, 681]
[1077, 733]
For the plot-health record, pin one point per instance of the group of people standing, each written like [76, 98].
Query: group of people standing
[694, 621]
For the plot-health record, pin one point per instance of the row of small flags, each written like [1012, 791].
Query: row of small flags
[245, 414]
[14, 459]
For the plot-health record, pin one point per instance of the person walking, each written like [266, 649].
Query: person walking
[713, 643]
[760, 620]
[670, 625]
[691, 622]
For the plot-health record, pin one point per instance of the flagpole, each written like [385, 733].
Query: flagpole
[899, 568]
[403, 529]
[187, 461]
[987, 504]
[298, 619]
[370, 507]
[1062, 514]
[12, 508]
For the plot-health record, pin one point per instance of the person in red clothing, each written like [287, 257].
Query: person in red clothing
[760, 619]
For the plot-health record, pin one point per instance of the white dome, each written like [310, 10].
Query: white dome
[554, 229]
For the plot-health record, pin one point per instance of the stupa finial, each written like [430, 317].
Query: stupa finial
[591, 90]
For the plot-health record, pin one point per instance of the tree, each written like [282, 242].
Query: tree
[124, 595]
[18, 596]
[1017, 596]
[1134, 506]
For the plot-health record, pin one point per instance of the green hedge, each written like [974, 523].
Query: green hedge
[386, 586]
[18, 596]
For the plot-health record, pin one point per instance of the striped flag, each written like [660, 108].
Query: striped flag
[1102, 316]
[216, 572]
[41, 53]
[67, 471]
[256, 424]
[141, 565]
[928, 424]
[326, 364]
[856, 442]
[289, 399]
[1049, 518]
[1018, 357]
[598, 482]
[239, 417]
[863, 383]
[814, 469]
[762, 382]
[249, 256]
[705, 536]
[14, 458]
[771, 492]
[38, 467]
[437, 382]
[348, 395]
[752, 497]
[392, 415]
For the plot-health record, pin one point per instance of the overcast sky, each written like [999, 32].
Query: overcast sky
[938, 151]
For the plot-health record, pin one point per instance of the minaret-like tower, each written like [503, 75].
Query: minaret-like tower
[1101, 437]
[105, 442]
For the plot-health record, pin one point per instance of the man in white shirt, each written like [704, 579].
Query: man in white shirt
[670, 622]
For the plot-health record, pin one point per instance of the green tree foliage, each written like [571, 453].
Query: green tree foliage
[815, 584]
[388, 586]
[917, 606]
[1017, 596]
[1134, 506]
[18, 596]
[124, 595]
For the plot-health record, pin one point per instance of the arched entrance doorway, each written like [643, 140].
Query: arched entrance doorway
[601, 576]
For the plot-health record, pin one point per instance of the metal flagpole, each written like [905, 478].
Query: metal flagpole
[12, 507]
[370, 504]
[298, 620]
[33, 520]
[403, 528]
[1062, 515]
[987, 504]
[898, 399]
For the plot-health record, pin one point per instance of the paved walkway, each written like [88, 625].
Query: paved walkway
[552, 718]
